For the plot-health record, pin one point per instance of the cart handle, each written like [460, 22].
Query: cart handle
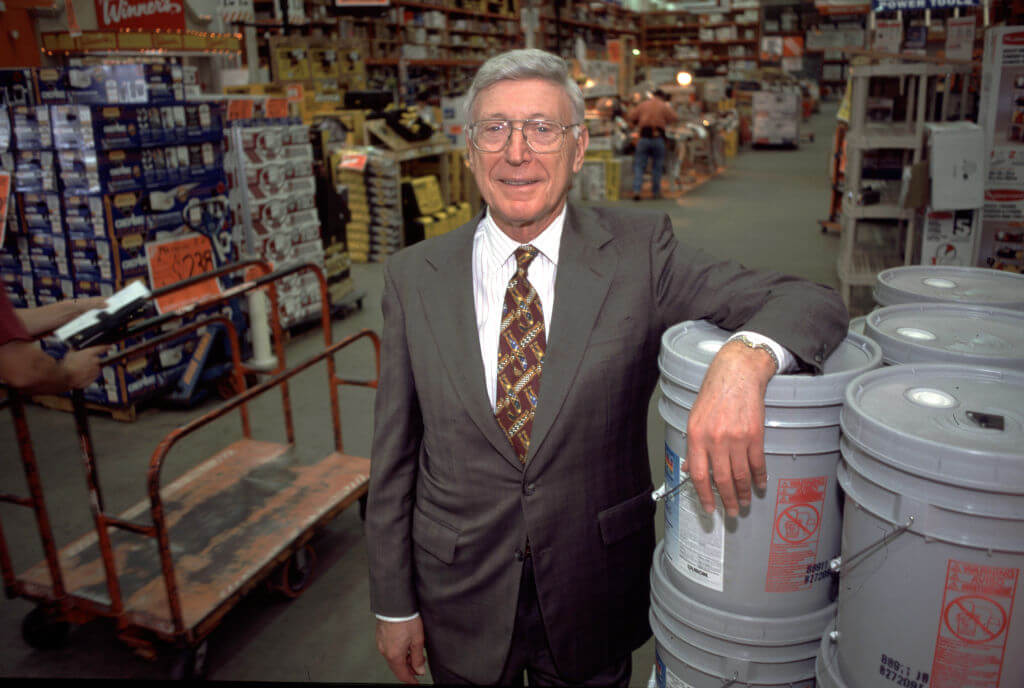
[159, 527]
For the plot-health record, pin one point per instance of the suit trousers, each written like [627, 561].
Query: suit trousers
[531, 653]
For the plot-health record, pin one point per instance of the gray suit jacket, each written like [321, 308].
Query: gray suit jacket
[450, 505]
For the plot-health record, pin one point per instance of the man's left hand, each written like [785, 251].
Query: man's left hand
[725, 432]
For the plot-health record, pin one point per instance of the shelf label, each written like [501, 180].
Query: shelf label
[174, 260]
[240, 109]
[276, 108]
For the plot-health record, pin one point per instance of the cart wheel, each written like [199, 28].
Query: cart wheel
[42, 630]
[362, 506]
[190, 663]
[297, 573]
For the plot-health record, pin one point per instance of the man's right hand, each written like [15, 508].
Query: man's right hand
[82, 367]
[401, 643]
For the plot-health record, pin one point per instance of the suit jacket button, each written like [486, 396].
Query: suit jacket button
[519, 554]
[529, 489]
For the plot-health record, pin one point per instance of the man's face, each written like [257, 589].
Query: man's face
[526, 190]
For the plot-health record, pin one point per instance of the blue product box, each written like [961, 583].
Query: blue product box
[126, 212]
[72, 126]
[90, 256]
[124, 169]
[17, 87]
[122, 126]
[206, 160]
[201, 207]
[40, 211]
[79, 171]
[84, 215]
[34, 170]
[128, 255]
[204, 121]
[50, 286]
[117, 84]
[59, 264]
[175, 125]
[88, 282]
[164, 83]
[52, 86]
[30, 126]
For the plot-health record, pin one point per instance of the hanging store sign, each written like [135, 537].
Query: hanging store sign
[140, 14]
[882, 5]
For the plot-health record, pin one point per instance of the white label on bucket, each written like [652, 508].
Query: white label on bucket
[799, 505]
[973, 625]
[699, 553]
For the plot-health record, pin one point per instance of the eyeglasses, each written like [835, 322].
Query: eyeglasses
[542, 136]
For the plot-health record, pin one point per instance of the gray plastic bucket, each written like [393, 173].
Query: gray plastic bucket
[703, 647]
[772, 560]
[857, 325]
[949, 284]
[933, 530]
[949, 333]
[826, 668]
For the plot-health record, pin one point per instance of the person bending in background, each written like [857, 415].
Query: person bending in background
[26, 367]
[650, 119]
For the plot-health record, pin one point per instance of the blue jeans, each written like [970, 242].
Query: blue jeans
[653, 149]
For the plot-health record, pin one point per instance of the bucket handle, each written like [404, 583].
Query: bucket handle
[836, 565]
[726, 682]
[664, 492]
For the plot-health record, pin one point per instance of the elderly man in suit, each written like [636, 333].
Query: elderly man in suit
[510, 526]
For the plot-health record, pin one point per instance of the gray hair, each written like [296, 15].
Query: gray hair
[529, 63]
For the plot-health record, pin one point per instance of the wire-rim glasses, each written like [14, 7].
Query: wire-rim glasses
[542, 136]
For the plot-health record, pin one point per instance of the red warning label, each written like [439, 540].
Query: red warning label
[795, 530]
[976, 608]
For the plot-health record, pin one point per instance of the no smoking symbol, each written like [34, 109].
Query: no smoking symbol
[797, 523]
[975, 619]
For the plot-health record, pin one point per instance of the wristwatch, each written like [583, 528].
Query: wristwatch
[750, 343]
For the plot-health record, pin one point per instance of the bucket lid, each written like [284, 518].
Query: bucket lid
[857, 324]
[688, 347]
[669, 601]
[949, 332]
[955, 424]
[985, 286]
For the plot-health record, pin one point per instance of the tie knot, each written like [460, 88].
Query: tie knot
[525, 256]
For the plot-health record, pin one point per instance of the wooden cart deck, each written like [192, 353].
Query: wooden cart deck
[231, 519]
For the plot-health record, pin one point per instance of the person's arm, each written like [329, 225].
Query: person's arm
[725, 431]
[25, 366]
[398, 432]
[43, 319]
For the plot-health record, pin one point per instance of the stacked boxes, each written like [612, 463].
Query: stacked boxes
[107, 158]
[271, 178]
[426, 214]
[371, 179]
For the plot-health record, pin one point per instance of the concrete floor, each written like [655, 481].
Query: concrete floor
[762, 211]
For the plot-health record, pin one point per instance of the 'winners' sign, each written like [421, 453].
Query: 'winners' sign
[140, 14]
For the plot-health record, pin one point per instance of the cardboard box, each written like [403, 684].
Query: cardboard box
[40, 211]
[52, 86]
[164, 83]
[202, 207]
[72, 126]
[956, 165]
[80, 171]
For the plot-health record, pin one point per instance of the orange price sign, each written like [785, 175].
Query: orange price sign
[240, 109]
[5, 192]
[276, 108]
[295, 93]
[174, 260]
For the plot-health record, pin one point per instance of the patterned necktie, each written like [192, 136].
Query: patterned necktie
[520, 355]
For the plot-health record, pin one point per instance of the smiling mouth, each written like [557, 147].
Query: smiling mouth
[519, 182]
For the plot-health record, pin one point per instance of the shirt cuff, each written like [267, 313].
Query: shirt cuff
[397, 619]
[787, 361]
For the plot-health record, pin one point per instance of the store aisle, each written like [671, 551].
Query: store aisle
[762, 211]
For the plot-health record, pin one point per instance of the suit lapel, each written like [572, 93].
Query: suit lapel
[584, 275]
[447, 296]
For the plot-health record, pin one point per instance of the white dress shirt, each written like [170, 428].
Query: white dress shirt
[494, 264]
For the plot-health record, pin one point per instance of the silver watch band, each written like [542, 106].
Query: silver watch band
[759, 345]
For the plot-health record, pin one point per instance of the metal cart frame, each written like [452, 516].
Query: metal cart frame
[201, 574]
